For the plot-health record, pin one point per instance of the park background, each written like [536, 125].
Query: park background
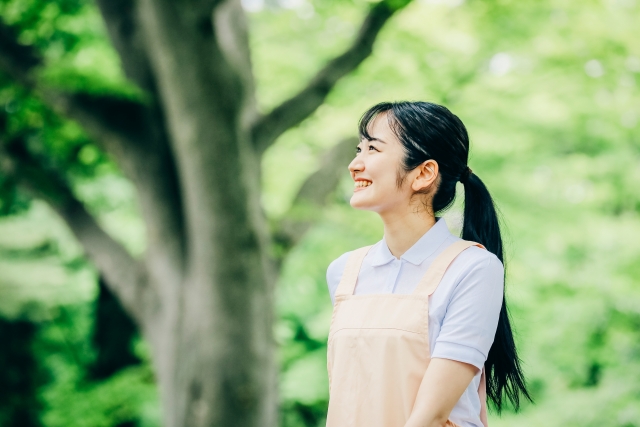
[549, 91]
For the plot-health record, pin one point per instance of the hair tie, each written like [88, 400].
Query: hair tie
[464, 177]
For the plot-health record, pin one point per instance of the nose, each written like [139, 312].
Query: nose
[356, 165]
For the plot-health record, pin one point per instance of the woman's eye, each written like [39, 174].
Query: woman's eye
[371, 147]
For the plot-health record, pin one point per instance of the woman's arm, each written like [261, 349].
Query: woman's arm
[465, 338]
[441, 388]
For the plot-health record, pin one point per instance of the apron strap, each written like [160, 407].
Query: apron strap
[350, 275]
[435, 272]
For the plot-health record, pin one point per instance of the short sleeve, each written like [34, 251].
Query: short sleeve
[471, 318]
[334, 274]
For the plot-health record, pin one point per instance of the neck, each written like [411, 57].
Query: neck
[402, 230]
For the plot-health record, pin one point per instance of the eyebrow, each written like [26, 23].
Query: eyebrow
[373, 139]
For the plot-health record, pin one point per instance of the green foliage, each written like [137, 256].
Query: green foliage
[549, 93]
[45, 284]
[20, 376]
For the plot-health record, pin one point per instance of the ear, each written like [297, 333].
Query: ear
[427, 172]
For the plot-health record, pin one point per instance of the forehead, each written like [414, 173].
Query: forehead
[380, 129]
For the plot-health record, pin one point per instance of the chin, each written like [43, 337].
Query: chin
[357, 203]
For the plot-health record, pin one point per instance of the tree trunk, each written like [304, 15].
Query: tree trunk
[213, 334]
[212, 337]
[213, 353]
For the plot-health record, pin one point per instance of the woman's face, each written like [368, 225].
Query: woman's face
[376, 168]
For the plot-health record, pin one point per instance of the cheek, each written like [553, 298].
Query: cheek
[389, 175]
[387, 185]
[398, 187]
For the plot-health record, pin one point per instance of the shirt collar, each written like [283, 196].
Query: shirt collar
[421, 250]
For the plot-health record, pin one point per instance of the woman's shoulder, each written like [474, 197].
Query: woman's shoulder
[334, 273]
[477, 257]
[336, 268]
[476, 265]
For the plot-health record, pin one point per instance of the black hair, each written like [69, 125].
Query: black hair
[431, 131]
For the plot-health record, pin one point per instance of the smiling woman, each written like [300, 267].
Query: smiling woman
[420, 334]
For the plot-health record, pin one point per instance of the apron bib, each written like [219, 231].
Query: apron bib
[378, 348]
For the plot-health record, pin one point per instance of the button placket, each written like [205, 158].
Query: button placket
[392, 278]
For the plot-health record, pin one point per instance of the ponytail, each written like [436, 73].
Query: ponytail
[503, 371]
[431, 131]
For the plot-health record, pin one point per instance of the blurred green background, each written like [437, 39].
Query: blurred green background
[549, 91]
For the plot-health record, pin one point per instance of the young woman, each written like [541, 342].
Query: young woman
[420, 334]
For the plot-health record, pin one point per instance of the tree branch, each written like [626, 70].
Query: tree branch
[115, 118]
[132, 132]
[230, 24]
[126, 276]
[121, 22]
[294, 110]
[313, 195]
[225, 17]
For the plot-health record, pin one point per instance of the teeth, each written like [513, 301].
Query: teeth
[362, 184]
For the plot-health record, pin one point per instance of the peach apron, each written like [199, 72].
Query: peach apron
[378, 348]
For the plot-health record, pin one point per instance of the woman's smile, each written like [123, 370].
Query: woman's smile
[361, 184]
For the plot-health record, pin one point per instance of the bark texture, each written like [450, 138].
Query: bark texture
[202, 295]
